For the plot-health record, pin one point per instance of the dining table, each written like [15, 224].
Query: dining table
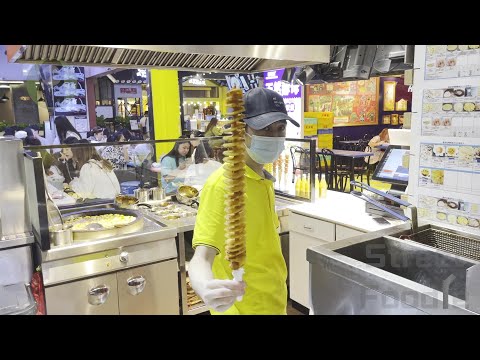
[352, 155]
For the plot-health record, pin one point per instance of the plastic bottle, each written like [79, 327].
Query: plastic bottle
[323, 187]
[307, 187]
[317, 185]
[303, 183]
[298, 185]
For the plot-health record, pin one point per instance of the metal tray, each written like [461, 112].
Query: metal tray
[84, 235]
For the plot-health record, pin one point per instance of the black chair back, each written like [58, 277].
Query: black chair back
[328, 167]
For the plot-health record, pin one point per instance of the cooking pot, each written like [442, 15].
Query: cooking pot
[141, 194]
[126, 201]
[187, 195]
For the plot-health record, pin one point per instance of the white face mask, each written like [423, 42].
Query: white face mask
[265, 149]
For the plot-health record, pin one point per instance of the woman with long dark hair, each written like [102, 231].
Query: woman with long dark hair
[97, 179]
[64, 129]
[65, 161]
[173, 165]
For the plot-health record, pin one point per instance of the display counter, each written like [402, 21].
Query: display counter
[336, 217]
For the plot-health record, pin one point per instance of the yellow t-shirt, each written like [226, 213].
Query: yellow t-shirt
[265, 269]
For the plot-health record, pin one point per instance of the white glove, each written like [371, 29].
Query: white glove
[220, 295]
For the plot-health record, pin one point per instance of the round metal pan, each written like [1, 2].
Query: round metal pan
[83, 235]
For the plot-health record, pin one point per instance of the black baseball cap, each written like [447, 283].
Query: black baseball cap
[264, 107]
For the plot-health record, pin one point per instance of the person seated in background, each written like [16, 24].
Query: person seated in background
[96, 179]
[127, 134]
[64, 129]
[97, 135]
[117, 154]
[34, 128]
[374, 144]
[21, 134]
[9, 131]
[203, 163]
[31, 141]
[65, 161]
[201, 151]
[215, 129]
[52, 171]
[106, 133]
[174, 164]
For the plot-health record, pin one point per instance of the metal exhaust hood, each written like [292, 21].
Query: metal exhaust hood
[222, 58]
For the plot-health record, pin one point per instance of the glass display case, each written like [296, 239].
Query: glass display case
[296, 170]
[144, 177]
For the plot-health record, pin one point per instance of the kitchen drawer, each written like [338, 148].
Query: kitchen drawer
[149, 290]
[95, 296]
[319, 229]
[344, 232]
[299, 269]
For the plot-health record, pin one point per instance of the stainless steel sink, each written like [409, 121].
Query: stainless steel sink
[416, 263]
[380, 273]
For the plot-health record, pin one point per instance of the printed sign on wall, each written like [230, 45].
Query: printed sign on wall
[291, 94]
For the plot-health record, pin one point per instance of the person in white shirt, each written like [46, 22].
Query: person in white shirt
[97, 179]
[145, 125]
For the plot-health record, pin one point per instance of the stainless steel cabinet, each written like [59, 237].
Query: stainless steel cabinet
[151, 289]
[95, 296]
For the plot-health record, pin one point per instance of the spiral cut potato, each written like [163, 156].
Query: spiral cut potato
[234, 178]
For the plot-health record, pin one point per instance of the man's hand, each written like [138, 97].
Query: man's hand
[220, 295]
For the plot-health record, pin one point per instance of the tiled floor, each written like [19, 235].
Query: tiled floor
[291, 310]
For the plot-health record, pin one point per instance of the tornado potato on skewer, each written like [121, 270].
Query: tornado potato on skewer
[234, 178]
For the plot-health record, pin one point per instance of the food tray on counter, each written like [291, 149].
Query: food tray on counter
[107, 231]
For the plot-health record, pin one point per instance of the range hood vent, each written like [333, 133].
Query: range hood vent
[224, 58]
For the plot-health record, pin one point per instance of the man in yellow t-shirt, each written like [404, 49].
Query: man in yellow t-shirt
[264, 287]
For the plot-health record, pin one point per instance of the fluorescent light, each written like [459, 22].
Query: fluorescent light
[4, 87]
[11, 82]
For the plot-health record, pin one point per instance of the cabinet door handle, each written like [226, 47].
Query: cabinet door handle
[98, 295]
[307, 228]
[136, 284]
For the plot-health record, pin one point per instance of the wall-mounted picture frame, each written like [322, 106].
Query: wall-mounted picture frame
[386, 119]
[400, 119]
[401, 105]
[389, 95]
[394, 119]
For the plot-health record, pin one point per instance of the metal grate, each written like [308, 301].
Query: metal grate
[449, 242]
[93, 55]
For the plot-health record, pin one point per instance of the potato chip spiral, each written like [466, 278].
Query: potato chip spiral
[234, 178]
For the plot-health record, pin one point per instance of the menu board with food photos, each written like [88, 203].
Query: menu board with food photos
[452, 61]
[450, 167]
[444, 180]
[451, 111]
[450, 210]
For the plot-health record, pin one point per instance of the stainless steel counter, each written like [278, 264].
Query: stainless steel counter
[379, 273]
[151, 231]
[154, 242]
